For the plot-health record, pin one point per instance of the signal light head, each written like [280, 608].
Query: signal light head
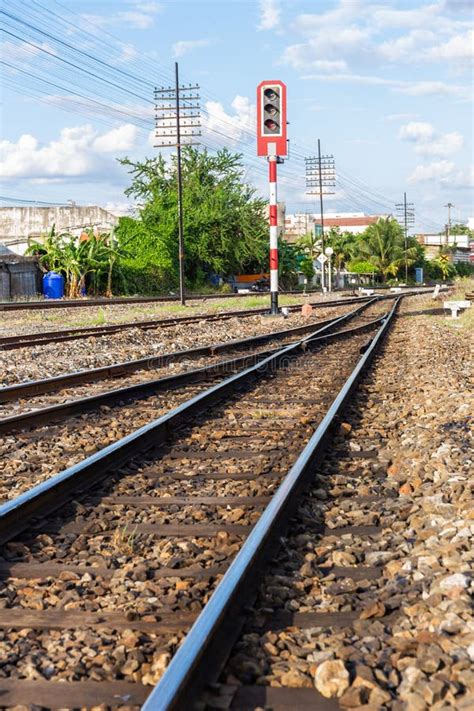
[271, 125]
[270, 109]
[270, 94]
[271, 118]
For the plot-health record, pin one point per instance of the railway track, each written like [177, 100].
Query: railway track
[71, 334]
[69, 430]
[120, 370]
[107, 565]
[78, 303]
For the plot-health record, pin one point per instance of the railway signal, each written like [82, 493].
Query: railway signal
[272, 143]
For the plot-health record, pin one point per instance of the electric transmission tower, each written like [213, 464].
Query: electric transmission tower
[320, 175]
[177, 124]
[406, 218]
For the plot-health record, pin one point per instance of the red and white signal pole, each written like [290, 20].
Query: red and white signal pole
[272, 143]
[273, 215]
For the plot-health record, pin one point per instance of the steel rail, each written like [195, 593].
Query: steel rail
[103, 301]
[39, 387]
[41, 500]
[204, 651]
[55, 413]
[70, 334]
[69, 303]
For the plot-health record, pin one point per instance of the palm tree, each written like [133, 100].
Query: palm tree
[344, 245]
[382, 244]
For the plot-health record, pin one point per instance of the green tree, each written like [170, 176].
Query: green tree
[225, 228]
[382, 244]
[344, 245]
[458, 229]
[307, 250]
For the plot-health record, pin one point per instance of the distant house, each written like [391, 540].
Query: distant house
[464, 246]
[298, 224]
[20, 225]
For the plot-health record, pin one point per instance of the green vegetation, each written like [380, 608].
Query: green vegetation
[225, 233]
[225, 228]
[87, 262]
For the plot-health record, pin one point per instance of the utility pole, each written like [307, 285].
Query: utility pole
[449, 205]
[406, 216]
[179, 122]
[320, 174]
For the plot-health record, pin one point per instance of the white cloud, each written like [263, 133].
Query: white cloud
[432, 88]
[21, 51]
[121, 138]
[417, 131]
[410, 88]
[439, 171]
[184, 46]
[428, 142]
[79, 150]
[216, 121]
[269, 15]
[400, 117]
[140, 17]
[128, 53]
[458, 47]
[361, 32]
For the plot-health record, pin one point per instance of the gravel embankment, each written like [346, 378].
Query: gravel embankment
[38, 362]
[412, 646]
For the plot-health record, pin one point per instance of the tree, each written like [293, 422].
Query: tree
[91, 258]
[382, 244]
[344, 245]
[308, 249]
[461, 230]
[225, 228]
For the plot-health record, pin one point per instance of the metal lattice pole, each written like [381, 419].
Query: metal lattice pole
[177, 126]
[320, 174]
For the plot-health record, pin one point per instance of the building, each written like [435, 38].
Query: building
[298, 224]
[20, 225]
[464, 246]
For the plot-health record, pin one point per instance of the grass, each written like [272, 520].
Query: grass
[466, 318]
[123, 542]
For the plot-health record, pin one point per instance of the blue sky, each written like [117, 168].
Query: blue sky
[385, 85]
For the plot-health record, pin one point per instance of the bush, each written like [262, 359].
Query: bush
[464, 269]
[361, 267]
[150, 280]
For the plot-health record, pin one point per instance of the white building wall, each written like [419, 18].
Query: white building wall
[17, 224]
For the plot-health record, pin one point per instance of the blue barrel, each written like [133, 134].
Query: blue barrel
[53, 285]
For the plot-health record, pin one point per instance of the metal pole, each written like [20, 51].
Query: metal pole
[323, 280]
[330, 273]
[448, 226]
[180, 193]
[406, 236]
[273, 210]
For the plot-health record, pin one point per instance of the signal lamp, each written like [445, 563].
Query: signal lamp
[270, 109]
[271, 125]
[271, 94]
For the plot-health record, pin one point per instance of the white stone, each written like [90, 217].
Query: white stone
[458, 580]
[331, 678]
